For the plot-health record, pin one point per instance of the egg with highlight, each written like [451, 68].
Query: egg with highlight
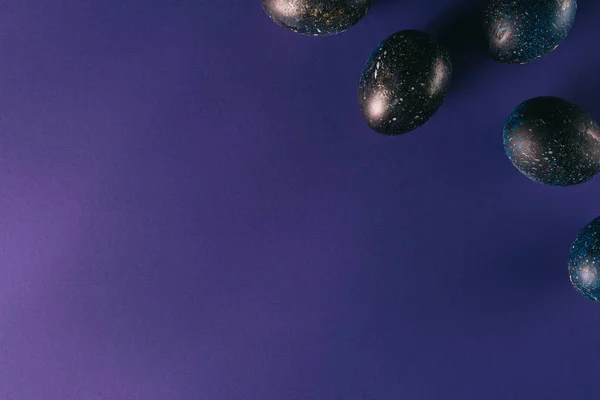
[404, 82]
[316, 17]
[552, 141]
[520, 31]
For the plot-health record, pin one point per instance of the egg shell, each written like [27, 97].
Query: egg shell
[553, 141]
[520, 31]
[584, 261]
[404, 82]
[316, 17]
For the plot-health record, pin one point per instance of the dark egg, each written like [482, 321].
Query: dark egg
[316, 17]
[584, 261]
[553, 141]
[520, 31]
[404, 82]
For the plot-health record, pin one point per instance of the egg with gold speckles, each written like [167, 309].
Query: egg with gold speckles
[520, 31]
[404, 82]
[316, 17]
[553, 141]
[584, 261]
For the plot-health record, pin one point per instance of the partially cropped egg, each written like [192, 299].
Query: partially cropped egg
[584, 261]
[316, 17]
[520, 31]
[553, 141]
[404, 82]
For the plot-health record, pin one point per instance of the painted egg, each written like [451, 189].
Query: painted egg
[316, 17]
[584, 261]
[553, 141]
[520, 31]
[404, 82]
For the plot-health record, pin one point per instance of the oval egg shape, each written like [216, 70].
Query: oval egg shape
[584, 261]
[553, 141]
[520, 31]
[316, 17]
[404, 82]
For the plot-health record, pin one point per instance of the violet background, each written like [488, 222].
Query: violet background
[192, 208]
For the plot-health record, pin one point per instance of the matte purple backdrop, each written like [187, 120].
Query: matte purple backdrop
[192, 208]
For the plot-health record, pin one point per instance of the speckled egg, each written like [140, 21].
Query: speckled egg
[584, 261]
[316, 17]
[520, 31]
[553, 141]
[404, 82]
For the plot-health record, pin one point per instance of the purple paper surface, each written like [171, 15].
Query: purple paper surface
[192, 208]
